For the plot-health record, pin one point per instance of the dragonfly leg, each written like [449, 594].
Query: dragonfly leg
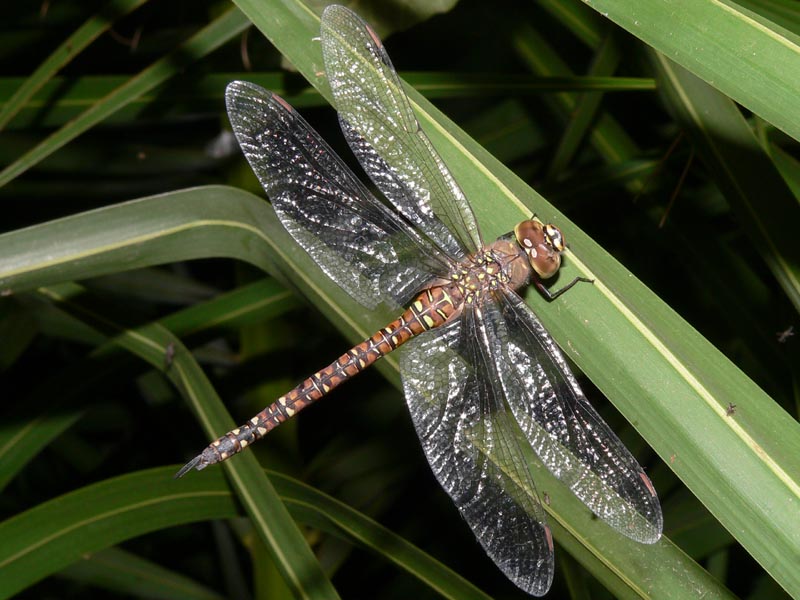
[553, 295]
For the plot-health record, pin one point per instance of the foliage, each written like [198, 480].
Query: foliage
[116, 307]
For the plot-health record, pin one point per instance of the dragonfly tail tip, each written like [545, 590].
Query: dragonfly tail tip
[195, 463]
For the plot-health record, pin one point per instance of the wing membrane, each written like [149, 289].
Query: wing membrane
[489, 383]
[380, 126]
[473, 446]
[370, 251]
[567, 433]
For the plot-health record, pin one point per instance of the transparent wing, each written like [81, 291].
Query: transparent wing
[567, 433]
[473, 446]
[380, 126]
[360, 243]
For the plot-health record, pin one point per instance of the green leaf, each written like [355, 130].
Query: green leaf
[285, 542]
[72, 46]
[673, 385]
[667, 380]
[64, 98]
[605, 63]
[742, 53]
[200, 44]
[125, 573]
[608, 137]
[55, 534]
[154, 227]
[750, 180]
[61, 398]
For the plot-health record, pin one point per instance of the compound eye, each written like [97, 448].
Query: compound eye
[554, 237]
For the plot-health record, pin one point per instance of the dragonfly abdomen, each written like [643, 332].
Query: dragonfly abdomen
[432, 308]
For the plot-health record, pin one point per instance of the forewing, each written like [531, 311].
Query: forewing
[473, 446]
[360, 243]
[380, 126]
[567, 433]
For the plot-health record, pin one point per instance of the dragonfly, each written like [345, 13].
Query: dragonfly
[485, 383]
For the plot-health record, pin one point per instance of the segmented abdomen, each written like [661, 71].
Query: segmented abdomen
[430, 309]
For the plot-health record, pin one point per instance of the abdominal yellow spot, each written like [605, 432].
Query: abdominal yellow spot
[428, 321]
[243, 443]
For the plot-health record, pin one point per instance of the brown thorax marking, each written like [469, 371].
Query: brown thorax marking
[487, 270]
[533, 250]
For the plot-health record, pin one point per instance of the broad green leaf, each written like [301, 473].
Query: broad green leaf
[57, 533]
[742, 53]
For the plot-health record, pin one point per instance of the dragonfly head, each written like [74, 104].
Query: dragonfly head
[543, 244]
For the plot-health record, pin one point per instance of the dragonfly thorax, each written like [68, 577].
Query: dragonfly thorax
[503, 263]
[543, 244]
